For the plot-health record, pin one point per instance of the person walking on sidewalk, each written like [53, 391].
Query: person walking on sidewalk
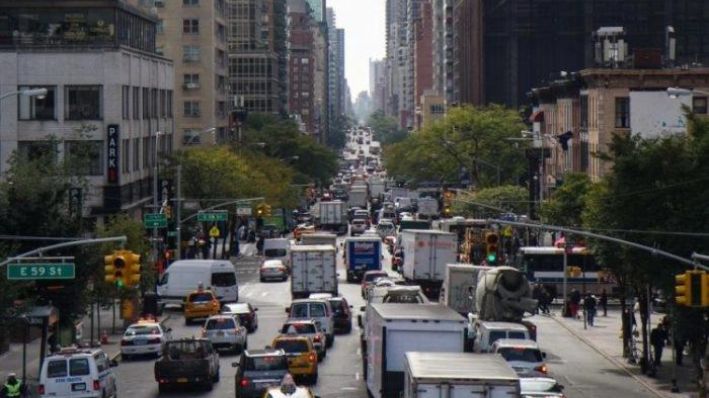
[575, 298]
[589, 307]
[12, 388]
[658, 338]
[604, 302]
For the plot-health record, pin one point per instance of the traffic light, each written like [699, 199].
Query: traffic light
[447, 203]
[491, 240]
[114, 267]
[690, 289]
[263, 210]
[132, 268]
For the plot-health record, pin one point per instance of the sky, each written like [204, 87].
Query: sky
[363, 21]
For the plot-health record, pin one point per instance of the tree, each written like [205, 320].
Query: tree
[491, 202]
[566, 204]
[386, 128]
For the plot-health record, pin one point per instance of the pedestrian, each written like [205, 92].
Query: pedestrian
[241, 232]
[259, 245]
[604, 302]
[589, 307]
[537, 295]
[12, 388]
[544, 300]
[575, 302]
[658, 338]
[678, 344]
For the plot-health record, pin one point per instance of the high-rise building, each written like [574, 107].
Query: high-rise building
[193, 35]
[377, 84]
[318, 8]
[345, 97]
[468, 43]
[257, 52]
[443, 49]
[423, 57]
[109, 96]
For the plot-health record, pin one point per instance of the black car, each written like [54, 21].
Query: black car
[259, 369]
[341, 314]
[246, 314]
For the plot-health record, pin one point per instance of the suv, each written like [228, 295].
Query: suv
[318, 310]
[74, 372]
[524, 356]
[342, 314]
[309, 329]
[187, 361]
[302, 357]
[258, 370]
[225, 331]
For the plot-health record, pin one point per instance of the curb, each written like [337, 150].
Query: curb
[610, 359]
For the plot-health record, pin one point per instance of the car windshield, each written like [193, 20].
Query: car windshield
[236, 309]
[271, 362]
[220, 324]
[496, 335]
[142, 330]
[520, 354]
[79, 367]
[403, 299]
[275, 252]
[223, 279]
[517, 335]
[299, 311]
[292, 346]
[200, 297]
[299, 328]
[56, 368]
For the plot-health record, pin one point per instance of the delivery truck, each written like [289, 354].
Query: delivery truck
[362, 254]
[358, 197]
[426, 254]
[458, 375]
[395, 329]
[459, 286]
[319, 238]
[332, 216]
[313, 270]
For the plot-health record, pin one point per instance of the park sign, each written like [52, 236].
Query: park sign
[41, 271]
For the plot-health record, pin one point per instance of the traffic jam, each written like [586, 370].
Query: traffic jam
[370, 263]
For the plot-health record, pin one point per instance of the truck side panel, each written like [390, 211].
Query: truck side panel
[454, 390]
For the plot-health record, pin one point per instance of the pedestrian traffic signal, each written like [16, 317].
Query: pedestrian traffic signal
[491, 240]
[691, 290]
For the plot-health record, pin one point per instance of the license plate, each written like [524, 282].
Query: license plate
[221, 334]
[78, 387]
[141, 342]
[182, 380]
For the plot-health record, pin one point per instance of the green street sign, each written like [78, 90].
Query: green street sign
[40, 271]
[213, 216]
[155, 220]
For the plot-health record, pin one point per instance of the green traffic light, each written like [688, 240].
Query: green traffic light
[491, 258]
[119, 284]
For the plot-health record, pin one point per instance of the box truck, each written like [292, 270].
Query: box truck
[362, 254]
[332, 216]
[426, 254]
[313, 270]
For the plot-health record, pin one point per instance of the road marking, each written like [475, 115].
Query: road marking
[357, 376]
[349, 388]
[359, 352]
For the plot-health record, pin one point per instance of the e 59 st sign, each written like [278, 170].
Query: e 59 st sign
[40, 271]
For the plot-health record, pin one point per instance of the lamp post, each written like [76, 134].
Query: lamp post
[156, 205]
[675, 92]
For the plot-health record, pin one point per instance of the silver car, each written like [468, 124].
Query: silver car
[224, 331]
[273, 269]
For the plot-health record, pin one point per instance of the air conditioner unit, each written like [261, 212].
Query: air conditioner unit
[191, 86]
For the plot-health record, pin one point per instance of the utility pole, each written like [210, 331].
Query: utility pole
[178, 214]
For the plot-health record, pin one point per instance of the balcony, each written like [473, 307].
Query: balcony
[190, 86]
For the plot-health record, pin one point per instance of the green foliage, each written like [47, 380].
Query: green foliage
[470, 138]
[337, 135]
[492, 201]
[386, 128]
[567, 202]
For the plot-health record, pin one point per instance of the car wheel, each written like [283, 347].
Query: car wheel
[209, 386]
[314, 379]
[216, 377]
[162, 388]
[330, 340]
[348, 329]
[126, 357]
[262, 280]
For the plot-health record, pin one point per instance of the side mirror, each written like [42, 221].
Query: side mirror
[113, 363]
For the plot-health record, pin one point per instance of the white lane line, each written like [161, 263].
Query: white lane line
[349, 388]
[357, 376]
[359, 352]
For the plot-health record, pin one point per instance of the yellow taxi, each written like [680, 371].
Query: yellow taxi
[201, 303]
[301, 354]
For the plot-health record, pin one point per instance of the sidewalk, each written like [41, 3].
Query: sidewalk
[605, 338]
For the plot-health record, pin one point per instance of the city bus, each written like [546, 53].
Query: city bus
[544, 266]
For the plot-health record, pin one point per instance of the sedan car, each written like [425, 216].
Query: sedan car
[246, 314]
[368, 280]
[358, 227]
[143, 337]
[523, 355]
[257, 370]
[224, 331]
[309, 329]
[273, 270]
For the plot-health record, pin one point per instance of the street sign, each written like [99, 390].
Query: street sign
[243, 211]
[214, 232]
[155, 220]
[212, 216]
[41, 271]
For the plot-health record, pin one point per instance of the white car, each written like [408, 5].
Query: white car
[523, 355]
[146, 337]
[80, 373]
[224, 331]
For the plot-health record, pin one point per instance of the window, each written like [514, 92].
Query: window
[125, 159]
[317, 310]
[223, 279]
[699, 105]
[190, 2]
[622, 112]
[583, 108]
[83, 103]
[266, 363]
[125, 102]
[190, 26]
[163, 104]
[79, 367]
[37, 108]
[56, 368]
[136, 103]
[136, 154]
[191, 137]
[146, 103]
[36, 150]
[191, 108]
[154, 103]
[190, 53]
[169, 103]
[146, 152]
[86, 156]
[190, 80]
[160, 27]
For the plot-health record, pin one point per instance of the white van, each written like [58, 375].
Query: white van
[183, 276]
[74, 372]
[277, 249]
[487, 333]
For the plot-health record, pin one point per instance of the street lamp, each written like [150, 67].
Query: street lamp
[675, 92]
[30, 92]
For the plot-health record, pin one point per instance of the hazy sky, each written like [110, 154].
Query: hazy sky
[363, 21]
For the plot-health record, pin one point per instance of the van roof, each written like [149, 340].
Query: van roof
[312, 248]
[519, 343]
[430, 312]
[503, 325]
[201, 264]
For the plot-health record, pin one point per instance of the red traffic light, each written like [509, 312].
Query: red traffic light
[491, 238]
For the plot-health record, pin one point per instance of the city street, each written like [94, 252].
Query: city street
[583, 371]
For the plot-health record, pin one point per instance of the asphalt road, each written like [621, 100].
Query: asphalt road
[584, 372]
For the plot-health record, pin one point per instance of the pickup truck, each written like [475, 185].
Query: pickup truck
[187, 361]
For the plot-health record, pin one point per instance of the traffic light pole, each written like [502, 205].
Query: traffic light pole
[121, 239]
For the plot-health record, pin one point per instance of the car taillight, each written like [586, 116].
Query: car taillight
[317, 339]
[97, 385]
[154, 341]
[40, 389]
[312, 357]
[542, 369]
[126, 342]
[244, 382]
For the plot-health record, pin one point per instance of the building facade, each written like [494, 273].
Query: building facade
[377, 84]
[467, 64]
[193, 34]
[423, 58]
[443, 49]
[109, 96]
